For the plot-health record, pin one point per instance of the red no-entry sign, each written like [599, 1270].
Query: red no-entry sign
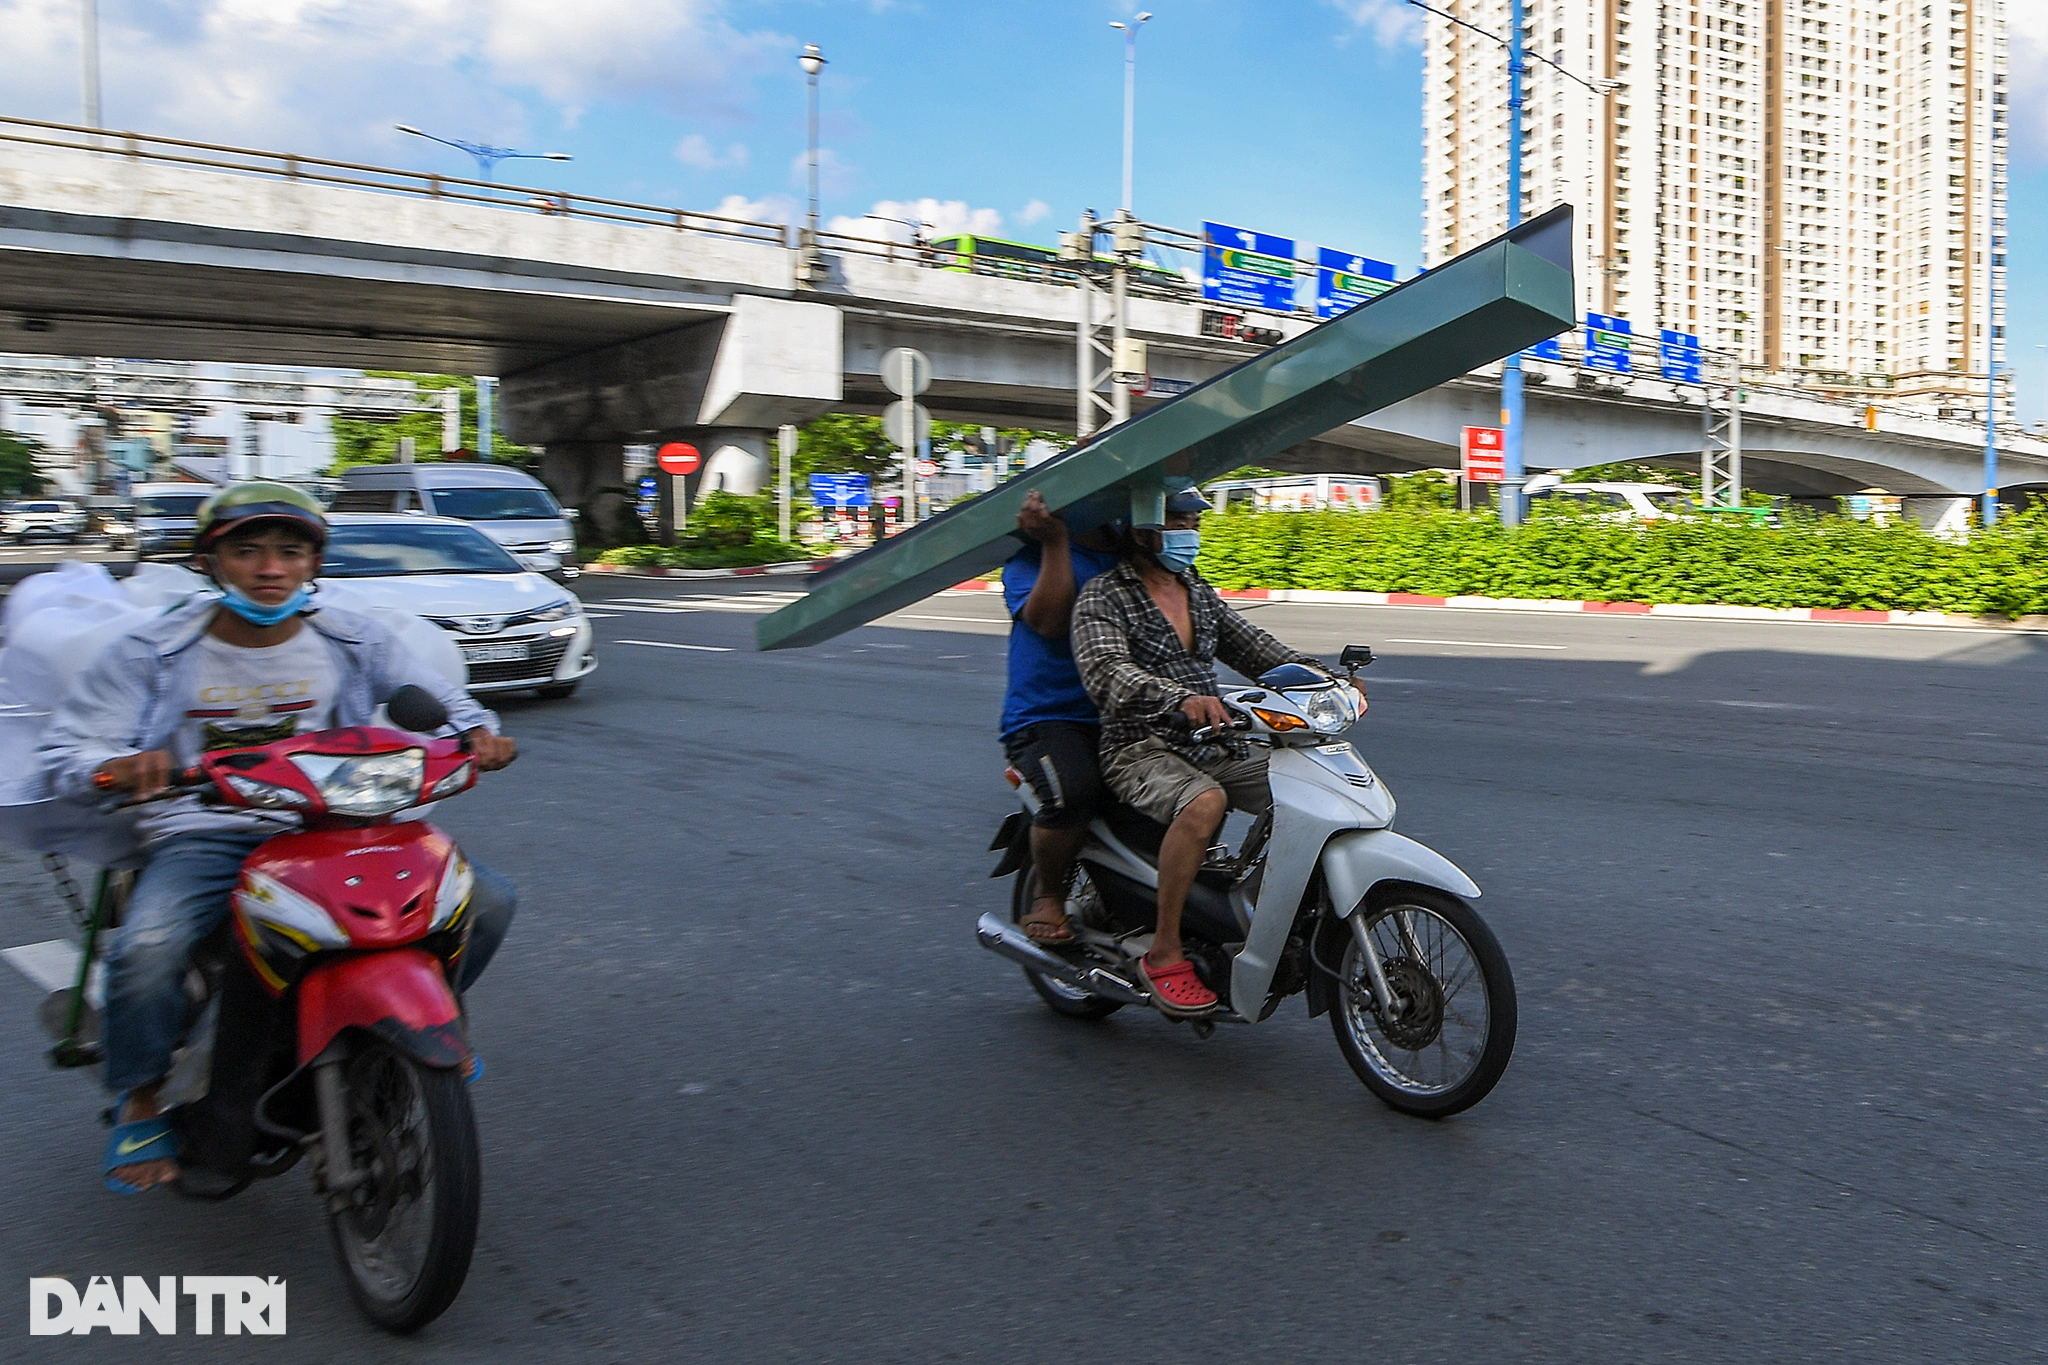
[678, 457]
[1485, 455]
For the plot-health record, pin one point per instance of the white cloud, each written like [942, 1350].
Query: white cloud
[1034, 212]
[1390, 22]
[331, 76]
[2027, 28]
[890, 220]
[696, 150]
[772, 208]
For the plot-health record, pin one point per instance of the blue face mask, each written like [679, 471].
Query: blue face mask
[1177, 549]
[256, 614]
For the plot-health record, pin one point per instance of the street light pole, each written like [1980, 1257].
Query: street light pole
[812, 60]
[1511, 368]
[1130, 32]
[89, 56]
[487, 156]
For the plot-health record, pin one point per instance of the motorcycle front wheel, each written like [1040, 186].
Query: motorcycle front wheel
[1448, 1043]
[406, 1237]
[1062, 998]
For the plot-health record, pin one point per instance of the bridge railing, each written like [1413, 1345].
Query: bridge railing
[214, 156]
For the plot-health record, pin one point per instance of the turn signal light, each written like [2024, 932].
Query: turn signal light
[1280, 720]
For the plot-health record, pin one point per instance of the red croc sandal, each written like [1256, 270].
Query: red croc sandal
[1176, 989]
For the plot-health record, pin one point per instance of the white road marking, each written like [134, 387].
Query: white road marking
[664, 644]
[53, 965]
[979, 620]
[1476, 644]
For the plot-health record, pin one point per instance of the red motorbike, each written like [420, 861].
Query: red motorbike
[335, 1033]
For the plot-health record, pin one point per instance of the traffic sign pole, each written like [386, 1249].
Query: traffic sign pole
[1511, 409]
[909, 390]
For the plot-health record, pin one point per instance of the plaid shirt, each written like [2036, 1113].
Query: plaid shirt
[1133, 663]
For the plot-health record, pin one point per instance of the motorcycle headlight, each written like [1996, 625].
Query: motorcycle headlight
[266, 795]
[373, 784]
[455, 781]
[1330, 710]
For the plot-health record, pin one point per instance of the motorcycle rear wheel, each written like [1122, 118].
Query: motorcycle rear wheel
[1058, 995]
[406, 1238]
[1448, 1051]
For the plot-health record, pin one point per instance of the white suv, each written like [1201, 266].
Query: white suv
[43, 519]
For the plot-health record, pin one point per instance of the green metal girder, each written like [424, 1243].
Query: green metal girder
[1491, 302]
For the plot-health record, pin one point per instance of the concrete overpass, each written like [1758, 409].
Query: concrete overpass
[612, 323]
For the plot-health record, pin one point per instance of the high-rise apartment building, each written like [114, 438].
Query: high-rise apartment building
[1817, 186]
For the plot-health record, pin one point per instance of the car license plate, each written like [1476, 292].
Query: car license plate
[494, 654]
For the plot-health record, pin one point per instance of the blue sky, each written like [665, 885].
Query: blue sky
[1295, 117]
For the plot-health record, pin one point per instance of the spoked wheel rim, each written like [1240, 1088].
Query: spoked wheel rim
[1438, 1039]
[387, 1232]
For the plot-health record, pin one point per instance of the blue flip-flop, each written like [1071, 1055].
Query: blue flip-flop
[138, 1141]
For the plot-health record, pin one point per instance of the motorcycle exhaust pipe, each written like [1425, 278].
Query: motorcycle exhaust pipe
[1000, 936]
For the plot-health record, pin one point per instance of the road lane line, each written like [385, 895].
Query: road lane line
[981, 620]
[665, 644]
[1475, 644]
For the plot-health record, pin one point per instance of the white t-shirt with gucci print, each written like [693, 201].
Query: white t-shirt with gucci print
[242, 696]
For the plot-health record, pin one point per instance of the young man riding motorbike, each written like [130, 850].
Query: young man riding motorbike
[260, 662]
[1146, 637]
[1051, 733]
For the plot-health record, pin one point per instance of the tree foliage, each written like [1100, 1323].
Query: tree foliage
[20, 474]
[357, 441]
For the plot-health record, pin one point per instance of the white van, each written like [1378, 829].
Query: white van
[511, 507]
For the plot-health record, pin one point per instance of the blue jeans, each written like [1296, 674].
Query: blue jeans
[180, 897]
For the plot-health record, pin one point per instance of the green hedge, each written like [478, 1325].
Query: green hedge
[1811, 561]
[764, 550]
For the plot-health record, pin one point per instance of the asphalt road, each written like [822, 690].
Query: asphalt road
[1772, 893]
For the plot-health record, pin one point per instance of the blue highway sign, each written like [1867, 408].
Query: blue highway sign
[1607, 343]
[1678, 356]
[1245, 267]
[840, 490]
[1343, 282]
[1546, 350]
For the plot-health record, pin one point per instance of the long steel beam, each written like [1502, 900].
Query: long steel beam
[1511, 293]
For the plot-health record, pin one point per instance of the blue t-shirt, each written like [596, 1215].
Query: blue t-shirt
[1044, 684]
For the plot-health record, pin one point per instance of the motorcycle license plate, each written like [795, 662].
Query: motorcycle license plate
[494, 654]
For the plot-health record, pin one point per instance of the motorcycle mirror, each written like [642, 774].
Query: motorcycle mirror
[1355, 656]
[416, 709]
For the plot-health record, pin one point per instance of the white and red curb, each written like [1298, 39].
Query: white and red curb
[1696, 611]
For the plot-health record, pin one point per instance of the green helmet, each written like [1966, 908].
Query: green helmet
[241, 503]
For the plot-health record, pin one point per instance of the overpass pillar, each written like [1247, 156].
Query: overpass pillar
[590, 476]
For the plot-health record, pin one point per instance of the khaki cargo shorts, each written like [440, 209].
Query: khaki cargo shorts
[1159, 782]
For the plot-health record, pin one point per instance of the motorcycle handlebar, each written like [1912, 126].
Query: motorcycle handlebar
[180, 783]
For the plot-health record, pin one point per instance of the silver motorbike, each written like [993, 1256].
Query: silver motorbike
[1321, 898]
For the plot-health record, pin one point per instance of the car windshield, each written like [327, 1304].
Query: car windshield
[41, 507]
[169, 504]
[380, 550]
[496, 504]
[1672, 501]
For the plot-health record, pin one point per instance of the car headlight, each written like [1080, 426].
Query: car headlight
[1330, 710]
[374, 784]
[559, 611]
[561, 547]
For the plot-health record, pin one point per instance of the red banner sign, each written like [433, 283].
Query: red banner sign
[1485, 457]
